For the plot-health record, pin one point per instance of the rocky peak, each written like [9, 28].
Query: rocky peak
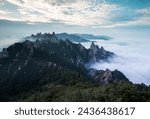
[94, 47]
[38, 34]
[27, 42]
[107, 76]
[104, 76]
[4, 53]
[48, 46]
[103, 51]
[68, 41]
[93, 52]
[53, 33]
[81, 47]
[53, 38]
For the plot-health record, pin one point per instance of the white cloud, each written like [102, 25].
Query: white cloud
[75, 12]
[133, 57]
[4, 12]
[145, 16]
[145, 11]
[7, 16]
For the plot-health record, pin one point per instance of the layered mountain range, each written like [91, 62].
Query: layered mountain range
[31, 65]
[91, 36]
[65, 36]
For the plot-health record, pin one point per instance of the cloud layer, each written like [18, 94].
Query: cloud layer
[105, 13]
[132, 58]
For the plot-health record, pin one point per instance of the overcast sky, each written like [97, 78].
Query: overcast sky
[86, 16]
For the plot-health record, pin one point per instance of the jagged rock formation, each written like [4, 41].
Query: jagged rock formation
[54, 50]
[28, 64]
[61, 36]
[21, 59]
[97, 53]
[107, 76]
[49, 69]
[104, 76]
[4, 53]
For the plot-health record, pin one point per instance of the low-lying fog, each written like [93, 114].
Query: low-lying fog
[133, 58]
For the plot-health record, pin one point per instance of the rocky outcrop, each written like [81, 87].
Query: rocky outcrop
[42, 37]
[96, 54]
[4, 54]
[107, 76]
[104, 76]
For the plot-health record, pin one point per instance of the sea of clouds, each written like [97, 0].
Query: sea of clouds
[133, 58]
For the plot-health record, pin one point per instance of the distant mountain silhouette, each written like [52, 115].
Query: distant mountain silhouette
[91, 36]
[71, 37]
[61, 36]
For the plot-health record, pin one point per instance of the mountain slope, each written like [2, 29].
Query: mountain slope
[27, 64]
[88, 92]
[50, 69]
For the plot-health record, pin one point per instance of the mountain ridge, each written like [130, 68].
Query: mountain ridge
[91, 36]
[31, 65]
[60, 36]
[65, 36]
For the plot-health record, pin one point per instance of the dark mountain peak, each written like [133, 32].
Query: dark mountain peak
[94, 47]
[39, 34]
[71, 37]
[49, 47]
[103, 51]
[102, 48]
[33, 56]
[67, 40]
[4, 53]
[53, 33]
[107, 70]
[54, 38]
[98, 54]
[81, 47]
[37, 40]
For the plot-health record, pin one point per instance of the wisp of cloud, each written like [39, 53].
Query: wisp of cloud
[5, 42]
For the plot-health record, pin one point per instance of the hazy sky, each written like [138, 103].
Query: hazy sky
[107, 17]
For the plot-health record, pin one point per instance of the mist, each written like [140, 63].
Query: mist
[133, 56]
[7, 41]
